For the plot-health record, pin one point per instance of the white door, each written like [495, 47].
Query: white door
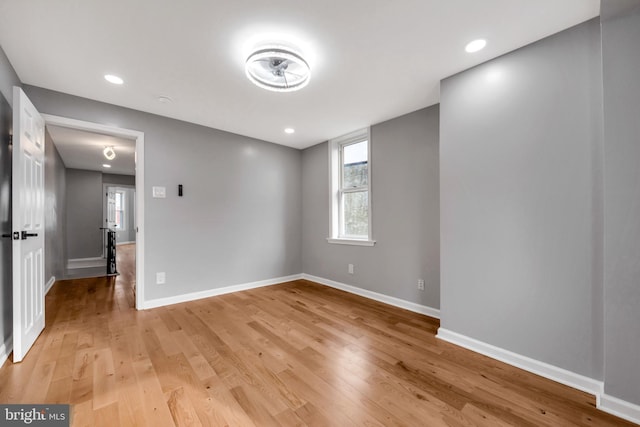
[109, 217]
[110, 220]
[28, 224]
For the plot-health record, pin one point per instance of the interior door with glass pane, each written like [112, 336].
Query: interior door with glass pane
[28, 224]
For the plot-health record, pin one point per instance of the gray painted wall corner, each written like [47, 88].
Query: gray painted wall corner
[405, 213]
[517, 201]
[6, 245]
[55, 212]
[8, 77]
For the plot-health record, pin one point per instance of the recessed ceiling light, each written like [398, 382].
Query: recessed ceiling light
[106, 166]
[278, 69]
[113, 79]
[475, 45]
[289, 130]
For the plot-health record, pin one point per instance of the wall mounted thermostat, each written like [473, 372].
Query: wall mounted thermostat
[159, 192]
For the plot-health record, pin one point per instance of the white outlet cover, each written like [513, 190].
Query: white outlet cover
[159, 192]
[161, 278]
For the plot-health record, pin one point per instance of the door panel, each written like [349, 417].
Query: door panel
[28, 214]
[111, 207]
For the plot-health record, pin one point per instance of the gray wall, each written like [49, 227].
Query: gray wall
[405, 213]
[55, 211]
[8, 77]
[6, 302]
[130, 235]
[109, 178]
[519, 155]
[240, 218]
[621, 60]
[85, 206]
[84, 213]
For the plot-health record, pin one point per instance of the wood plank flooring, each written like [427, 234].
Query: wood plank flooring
[295, 354]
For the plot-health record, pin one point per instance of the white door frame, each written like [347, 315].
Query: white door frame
[138, 137]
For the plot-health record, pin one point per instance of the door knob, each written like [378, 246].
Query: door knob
[25, 235]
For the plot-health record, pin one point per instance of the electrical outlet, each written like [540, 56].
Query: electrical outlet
[350, 268]
[161, 278]
[421, 284]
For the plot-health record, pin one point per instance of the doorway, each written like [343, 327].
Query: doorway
[137, 227]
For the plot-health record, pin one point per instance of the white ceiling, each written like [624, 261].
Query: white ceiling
[371, 60]
[84, 150]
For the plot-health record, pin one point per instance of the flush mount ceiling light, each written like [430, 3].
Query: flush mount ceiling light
[109, 153]
[289, 130]
[475, 45]
[278, 69]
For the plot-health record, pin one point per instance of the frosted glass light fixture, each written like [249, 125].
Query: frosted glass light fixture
[278, 69]
[109, 153]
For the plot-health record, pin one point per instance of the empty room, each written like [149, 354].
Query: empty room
[356, 213]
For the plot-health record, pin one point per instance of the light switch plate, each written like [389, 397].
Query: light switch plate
[159, 192]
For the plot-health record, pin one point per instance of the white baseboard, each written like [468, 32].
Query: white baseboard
[407, 305]
[620, 408]
[160, 302]
[612, 405]
[5, 350]
[49, 284]
[396, 302]
[124, 243]
[543, 369]
[86, 263]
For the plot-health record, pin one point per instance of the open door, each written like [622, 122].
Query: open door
[110, 220]
[28, 224]
[109, 217]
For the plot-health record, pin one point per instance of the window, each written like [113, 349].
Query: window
[120, 223]
[350, 162]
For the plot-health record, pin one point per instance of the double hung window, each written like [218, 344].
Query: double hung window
[350, 159]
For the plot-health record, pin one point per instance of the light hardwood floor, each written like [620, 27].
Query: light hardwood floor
[295, 354]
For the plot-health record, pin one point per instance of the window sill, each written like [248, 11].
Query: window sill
[354, 242]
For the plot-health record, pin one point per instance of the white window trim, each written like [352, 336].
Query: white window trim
[334, 188]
